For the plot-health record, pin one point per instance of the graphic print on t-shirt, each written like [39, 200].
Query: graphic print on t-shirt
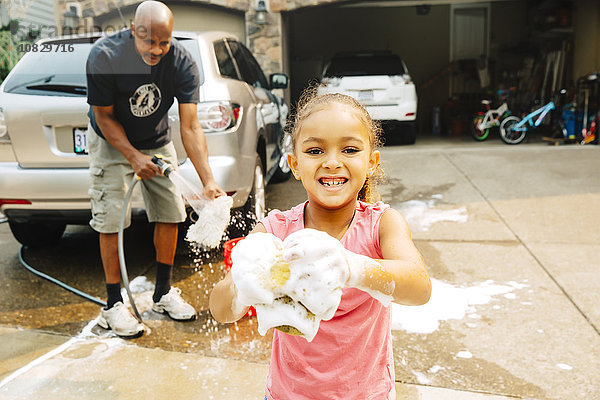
[145, 101]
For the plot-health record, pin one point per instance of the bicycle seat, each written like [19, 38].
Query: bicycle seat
[486, 102]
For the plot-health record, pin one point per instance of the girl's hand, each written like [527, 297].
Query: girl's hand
[252, 260]
[332, 267]
[318, 270]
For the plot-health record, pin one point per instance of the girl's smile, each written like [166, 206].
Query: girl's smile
[333, 156]
[333, 181]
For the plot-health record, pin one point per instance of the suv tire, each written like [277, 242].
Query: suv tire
[281, 174]
[283, 170]
[246, 217]
[400, 133]
[37, 234]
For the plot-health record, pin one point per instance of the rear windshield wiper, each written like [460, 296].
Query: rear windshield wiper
[75, 89]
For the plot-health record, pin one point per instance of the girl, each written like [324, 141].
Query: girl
[335, 157]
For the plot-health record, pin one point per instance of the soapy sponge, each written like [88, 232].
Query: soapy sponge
[292, 286]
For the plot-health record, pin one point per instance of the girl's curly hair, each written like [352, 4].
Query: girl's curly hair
[310, 101]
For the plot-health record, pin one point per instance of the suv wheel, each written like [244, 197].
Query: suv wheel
[282, 173]
[37, 234]
[283, 170]
[401, 133]
[255, 208]
[256, 205]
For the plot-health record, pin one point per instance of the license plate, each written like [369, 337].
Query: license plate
[80, 144]
[365, 95]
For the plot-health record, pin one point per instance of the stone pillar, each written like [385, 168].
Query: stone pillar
[264, 41]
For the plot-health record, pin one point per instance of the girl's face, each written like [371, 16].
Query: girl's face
[333, 156]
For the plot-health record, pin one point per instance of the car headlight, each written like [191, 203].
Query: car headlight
[3, 128]
[217, 116]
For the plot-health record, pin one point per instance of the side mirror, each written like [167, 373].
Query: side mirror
[278, 81]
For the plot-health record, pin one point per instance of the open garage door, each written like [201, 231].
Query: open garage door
[422, 41]
[421, 35]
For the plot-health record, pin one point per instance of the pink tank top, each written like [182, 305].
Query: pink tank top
[351, 356]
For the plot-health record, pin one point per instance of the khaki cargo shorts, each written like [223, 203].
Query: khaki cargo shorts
[111, 175]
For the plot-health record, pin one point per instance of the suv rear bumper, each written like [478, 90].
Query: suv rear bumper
[63, 197]
[396, 112]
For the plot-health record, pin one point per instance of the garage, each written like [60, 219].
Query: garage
[457, 53]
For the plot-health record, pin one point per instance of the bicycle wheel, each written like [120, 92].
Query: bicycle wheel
[479, 134]
[508, 134]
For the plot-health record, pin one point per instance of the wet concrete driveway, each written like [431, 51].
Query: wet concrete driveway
[509, 233]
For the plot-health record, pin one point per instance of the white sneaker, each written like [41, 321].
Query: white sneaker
[121, 321]
[175, 306]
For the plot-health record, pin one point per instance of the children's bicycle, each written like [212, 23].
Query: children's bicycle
[590, 135]
[483, 122]
[514, 129]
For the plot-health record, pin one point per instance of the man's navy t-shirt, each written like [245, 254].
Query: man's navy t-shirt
[141, 95]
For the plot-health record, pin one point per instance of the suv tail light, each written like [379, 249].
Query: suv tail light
[3, 128]
[217, 116]
[13, 201]
[334, 82]
[399, 79]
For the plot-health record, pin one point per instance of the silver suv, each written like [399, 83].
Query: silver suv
[44, 176]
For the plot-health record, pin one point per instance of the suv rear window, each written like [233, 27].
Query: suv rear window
[365, 64]
[53, 73]
[42, 73]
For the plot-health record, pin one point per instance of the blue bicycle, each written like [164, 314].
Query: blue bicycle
[513, 129]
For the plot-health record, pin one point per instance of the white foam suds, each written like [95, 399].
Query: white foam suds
[421, 215]
[564, 367]
[296, 282]
[447, 302]
[464, 354]
[213, 219]
[140, 284]
[435, 369]
[422, 378]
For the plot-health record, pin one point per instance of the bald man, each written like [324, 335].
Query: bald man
[133, 77]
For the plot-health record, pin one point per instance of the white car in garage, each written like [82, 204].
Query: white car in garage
[381, 83]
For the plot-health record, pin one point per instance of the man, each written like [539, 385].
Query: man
[133, 77]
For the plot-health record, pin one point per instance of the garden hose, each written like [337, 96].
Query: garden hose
[57, 282]
[123, 266]
[165, 169]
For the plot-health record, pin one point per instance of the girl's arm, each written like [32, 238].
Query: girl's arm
[402, 265]
[222, 298]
